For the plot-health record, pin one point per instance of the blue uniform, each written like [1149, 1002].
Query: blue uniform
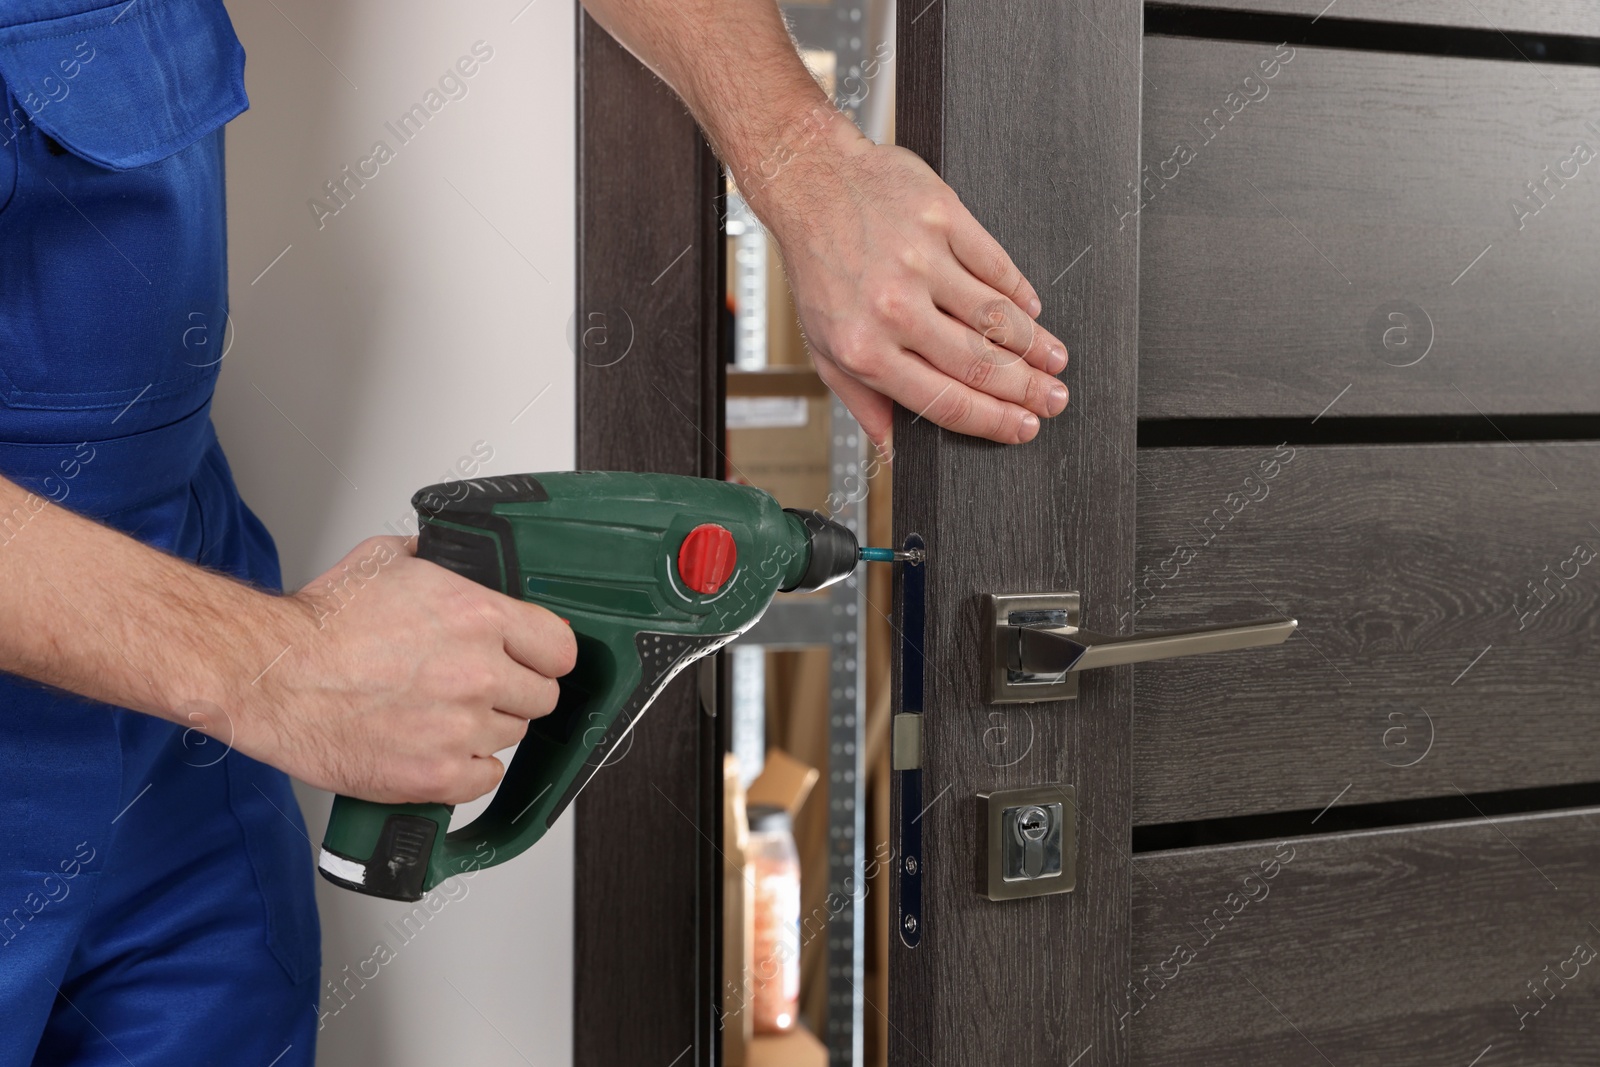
[155, 887]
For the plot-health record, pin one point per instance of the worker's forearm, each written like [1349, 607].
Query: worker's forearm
[89, 610]
[734, 64]
[397, 689]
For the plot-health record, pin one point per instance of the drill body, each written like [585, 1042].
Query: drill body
[653, 572]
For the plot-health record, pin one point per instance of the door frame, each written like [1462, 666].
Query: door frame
[648, 336]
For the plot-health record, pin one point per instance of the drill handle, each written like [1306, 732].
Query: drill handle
[400, 851]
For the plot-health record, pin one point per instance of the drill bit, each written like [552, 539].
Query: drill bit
[892, 555]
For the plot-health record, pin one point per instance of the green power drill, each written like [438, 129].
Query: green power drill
[653, 572]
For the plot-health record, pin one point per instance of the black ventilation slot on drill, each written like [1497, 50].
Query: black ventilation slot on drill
[1362, 35]
[470, 554]
[1349, 818]
[480, 496]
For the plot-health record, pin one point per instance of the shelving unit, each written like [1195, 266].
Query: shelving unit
[834, 620]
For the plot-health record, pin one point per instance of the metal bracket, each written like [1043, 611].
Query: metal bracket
[1004, 615]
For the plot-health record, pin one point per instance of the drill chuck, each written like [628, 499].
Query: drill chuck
[834, 552]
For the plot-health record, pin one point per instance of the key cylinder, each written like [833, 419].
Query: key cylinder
[1029, 842]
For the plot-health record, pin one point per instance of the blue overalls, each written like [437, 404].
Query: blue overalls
[155, 887]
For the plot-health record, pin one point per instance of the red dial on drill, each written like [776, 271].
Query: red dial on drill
[706, 558]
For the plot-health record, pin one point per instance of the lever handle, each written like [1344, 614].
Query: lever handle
[1052, 653]
[1035, 647]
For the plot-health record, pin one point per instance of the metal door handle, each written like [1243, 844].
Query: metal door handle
[1051, 653]
[1035, 647]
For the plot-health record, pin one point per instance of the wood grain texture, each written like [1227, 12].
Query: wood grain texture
[1405, 565]
[1407, 948]
[1579, 17]
[648, 881]
[1357, 182]
[1030, 110]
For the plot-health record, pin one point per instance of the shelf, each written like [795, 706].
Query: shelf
[799, 381]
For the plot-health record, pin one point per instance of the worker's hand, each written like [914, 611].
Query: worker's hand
[404, 680]
[903, 296]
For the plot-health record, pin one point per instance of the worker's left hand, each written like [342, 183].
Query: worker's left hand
[903, 296]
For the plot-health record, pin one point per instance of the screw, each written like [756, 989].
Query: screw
[911, 865]
[911, 924]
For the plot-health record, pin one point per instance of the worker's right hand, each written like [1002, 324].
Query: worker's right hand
[904, 297]
[403, 680]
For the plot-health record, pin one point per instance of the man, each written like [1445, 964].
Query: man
[155, 880]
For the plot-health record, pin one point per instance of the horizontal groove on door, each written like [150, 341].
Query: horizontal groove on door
[1574, 18]
[1366, 430]
[1337, 819]
[1164, 20]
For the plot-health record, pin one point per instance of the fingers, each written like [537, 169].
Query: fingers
[999, 325]
[873, 410]
[1003, 306]
[982, 255]
[504, 731]
[481, 775]
[525, 694]
[951, 347]
[536, 638]
[933, 395]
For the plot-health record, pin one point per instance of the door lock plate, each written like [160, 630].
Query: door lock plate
[1029, 842]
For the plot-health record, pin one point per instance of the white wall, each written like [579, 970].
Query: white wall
[383, 347]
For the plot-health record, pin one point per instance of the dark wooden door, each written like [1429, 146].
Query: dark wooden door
[1326, 271]
[1368, 399]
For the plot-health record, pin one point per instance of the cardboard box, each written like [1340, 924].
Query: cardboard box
[790, 462]
[798, 1048]
[784, 782]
